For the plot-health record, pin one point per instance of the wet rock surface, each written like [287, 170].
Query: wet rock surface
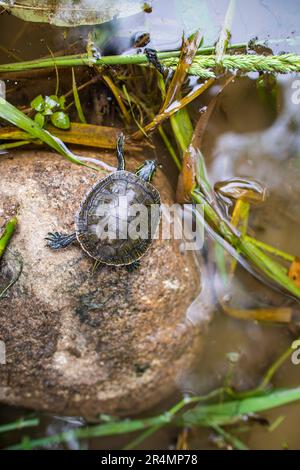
[79, 341]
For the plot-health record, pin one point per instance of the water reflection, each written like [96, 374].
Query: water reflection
[275, 21]
[271, 156]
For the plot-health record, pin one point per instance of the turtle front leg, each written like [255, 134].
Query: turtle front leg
[133, 266]
[59, 240]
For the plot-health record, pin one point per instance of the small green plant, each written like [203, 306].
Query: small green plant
[13, 115]
[50, 108]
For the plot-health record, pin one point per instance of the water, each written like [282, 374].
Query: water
[247, 137]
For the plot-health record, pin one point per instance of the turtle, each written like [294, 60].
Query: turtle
[139, 42]
[140, 39]
[118, 217]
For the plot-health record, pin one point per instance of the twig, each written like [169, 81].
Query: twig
[173, 108]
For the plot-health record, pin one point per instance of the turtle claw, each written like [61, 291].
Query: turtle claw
[58, 240]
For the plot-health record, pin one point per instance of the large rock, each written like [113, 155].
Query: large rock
[83, 342]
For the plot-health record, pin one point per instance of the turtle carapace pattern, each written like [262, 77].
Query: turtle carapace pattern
[118, 218]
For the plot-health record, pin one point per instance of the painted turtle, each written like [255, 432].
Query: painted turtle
[118, 217]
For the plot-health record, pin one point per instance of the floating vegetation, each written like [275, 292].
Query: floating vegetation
[219, 408]
[53, 108]
[202, 66]
[13, 115]
[20, 120]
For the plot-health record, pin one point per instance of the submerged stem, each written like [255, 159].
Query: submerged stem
[203, 64]
[84, 59]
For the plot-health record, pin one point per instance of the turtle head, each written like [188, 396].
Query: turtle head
[147, 170]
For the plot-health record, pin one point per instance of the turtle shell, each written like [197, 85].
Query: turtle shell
[118, 218]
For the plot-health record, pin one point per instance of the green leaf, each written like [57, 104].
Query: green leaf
[62, 102]
[13, 115]
[51, 103]
[60, 119]
[182, 128]
[54, 98]
[38, 103]
[39, 119]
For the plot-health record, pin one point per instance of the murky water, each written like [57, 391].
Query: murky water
[246, 137]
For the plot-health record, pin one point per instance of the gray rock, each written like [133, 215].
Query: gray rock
[80, 342]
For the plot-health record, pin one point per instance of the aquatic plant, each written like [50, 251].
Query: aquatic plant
[203, 64]
[221, 407]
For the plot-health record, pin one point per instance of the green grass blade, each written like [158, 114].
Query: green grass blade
[20, 424]
[230, 438]
[229, 412]
[239, 244]
[77, 99]
[101, 430]
[225, 34]
[213, 415]
[7, 234]
[142, 437]
[14, 145]
[182, 128]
